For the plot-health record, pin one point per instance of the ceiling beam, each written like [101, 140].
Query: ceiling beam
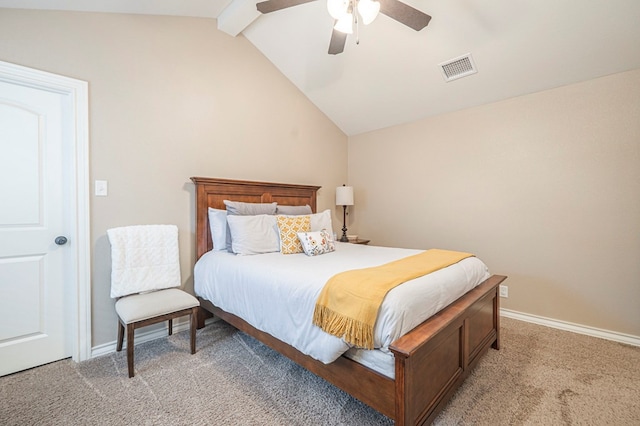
[237, 16]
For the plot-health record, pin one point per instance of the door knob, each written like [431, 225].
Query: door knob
[61, 240]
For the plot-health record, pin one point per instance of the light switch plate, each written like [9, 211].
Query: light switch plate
[101, 188]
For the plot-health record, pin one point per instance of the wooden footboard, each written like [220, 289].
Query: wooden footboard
[433, 359]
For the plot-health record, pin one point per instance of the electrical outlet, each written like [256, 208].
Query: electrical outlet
[504, 291]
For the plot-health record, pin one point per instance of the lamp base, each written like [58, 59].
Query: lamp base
[344, 238]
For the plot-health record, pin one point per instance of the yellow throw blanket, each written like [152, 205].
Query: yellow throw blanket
[349, 302]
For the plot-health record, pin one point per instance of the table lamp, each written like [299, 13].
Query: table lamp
[344, 198]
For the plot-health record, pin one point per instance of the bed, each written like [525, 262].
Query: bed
[429, 362]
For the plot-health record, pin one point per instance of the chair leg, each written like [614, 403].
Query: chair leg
[170, 326]
[120, 336]
[194, 324]
[130, 330]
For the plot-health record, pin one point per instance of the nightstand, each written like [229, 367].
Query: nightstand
[360, 241]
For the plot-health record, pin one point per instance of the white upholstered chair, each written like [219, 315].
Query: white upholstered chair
[145, 280]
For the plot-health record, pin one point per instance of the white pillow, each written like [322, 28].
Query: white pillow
[316, 243]
[320, 221]
[219, 230]
[253, 234]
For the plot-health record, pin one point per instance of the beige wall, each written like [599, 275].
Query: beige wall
[172, 98]
[545, 188]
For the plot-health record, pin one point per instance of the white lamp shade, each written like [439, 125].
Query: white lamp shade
[344, 196]
[345, 24]
[337, 8]
[368, 9]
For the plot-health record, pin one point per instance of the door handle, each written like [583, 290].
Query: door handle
[61, 240]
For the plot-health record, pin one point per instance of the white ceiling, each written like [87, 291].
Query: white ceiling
[393, 76]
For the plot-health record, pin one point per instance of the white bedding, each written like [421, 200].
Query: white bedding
[276, 293]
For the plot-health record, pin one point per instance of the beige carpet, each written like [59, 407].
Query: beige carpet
[541, 376]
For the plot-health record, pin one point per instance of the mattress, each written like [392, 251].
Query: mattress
[276, 294]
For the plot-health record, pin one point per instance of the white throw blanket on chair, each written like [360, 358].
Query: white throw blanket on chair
[144, 258]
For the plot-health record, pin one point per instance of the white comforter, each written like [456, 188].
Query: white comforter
[276, 293]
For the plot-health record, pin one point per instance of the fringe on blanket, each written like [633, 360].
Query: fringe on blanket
[354, 332]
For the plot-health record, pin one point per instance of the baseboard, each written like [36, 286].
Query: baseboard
[144, 336]
[575, 328]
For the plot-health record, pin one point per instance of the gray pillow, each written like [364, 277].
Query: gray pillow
[249, 209]
[294, 210]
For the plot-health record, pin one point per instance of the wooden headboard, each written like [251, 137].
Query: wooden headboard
[210, 192]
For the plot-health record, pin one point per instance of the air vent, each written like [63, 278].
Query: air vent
[459, 67]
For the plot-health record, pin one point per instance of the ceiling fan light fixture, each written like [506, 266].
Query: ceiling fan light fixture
[337, 8]
[345, 14]
[345, 24]
[369, 10]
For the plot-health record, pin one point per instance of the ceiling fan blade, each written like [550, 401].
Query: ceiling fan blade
[273, 5]
[338, 40]
[404, 14]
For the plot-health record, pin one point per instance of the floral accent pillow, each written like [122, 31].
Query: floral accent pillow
[316, 243]
[289, 227]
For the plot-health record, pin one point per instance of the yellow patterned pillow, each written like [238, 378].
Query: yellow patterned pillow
[289, 227]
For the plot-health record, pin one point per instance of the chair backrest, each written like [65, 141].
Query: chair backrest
[143, 258]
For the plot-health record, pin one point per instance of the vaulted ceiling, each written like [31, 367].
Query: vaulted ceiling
[393, 75]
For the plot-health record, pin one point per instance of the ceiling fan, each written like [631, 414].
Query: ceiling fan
[345, 12]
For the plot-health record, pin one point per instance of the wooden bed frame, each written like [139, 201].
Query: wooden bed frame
[432, 360]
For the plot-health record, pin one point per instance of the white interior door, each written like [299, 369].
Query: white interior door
[36, 293]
